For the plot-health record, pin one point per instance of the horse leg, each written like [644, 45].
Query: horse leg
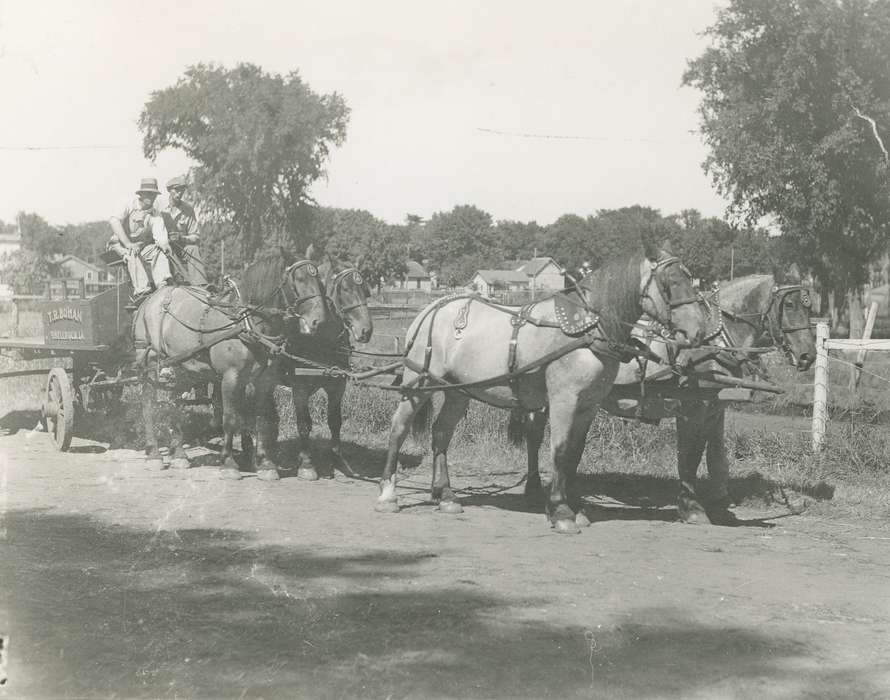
[718, 465]
[231, 421]
[334, 390]
[534, 436]
[387, 502]
[568, 432]
[453, 410]
[149, 397]
[216, 401]
[267, 424]
[178, 457]
[691, 439]
[301, 392]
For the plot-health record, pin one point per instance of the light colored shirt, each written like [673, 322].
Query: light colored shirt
[181, 220]
[136, 223]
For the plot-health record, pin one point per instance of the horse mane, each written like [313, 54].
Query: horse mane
[613, 291]
[262, 278]
[746, 295]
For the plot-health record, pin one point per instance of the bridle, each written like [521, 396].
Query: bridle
[773, 322]
[334, 296]
[288, 286]
[656, 276]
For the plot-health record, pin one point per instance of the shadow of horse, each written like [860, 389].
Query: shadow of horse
[14, 421]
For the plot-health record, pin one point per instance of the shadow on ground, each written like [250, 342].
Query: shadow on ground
[98, 610]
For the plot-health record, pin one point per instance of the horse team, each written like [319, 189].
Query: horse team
[556, 358]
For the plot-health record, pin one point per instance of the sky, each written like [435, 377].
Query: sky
[527, 110]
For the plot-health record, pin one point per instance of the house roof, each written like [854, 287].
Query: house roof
[82, 262]
[503, 276]
[531, 267]
[416, 271]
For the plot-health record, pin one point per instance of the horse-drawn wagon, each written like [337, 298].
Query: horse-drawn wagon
[87, 331]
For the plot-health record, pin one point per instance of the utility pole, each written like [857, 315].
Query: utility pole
[222, 259]
[731, 262]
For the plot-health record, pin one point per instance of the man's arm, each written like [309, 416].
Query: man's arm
[120, 233]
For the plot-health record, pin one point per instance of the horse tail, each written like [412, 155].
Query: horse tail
[420, 426]
[516, 427]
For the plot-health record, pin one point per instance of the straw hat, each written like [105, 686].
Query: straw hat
[149, 185]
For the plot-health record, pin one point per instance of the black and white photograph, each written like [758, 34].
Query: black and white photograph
[413, 350]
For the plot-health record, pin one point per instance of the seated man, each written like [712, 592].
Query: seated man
[182, 225]
[140, 238]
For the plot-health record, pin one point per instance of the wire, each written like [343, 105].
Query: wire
[59, 148]
[568, 137]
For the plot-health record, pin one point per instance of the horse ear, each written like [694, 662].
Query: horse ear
[786, 275]
[359, 262]
[651, 249]
[311, 253]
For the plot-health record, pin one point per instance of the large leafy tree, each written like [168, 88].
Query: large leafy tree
[259, 141]
[358, 237]
[459, 242]
[795, 109]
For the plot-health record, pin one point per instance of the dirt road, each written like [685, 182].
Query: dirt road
[124, 582]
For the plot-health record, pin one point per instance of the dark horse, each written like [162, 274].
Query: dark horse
[348, 294]
[509, 356]
[757, 310]
[205, 338]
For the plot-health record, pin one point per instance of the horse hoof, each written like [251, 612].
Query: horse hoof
[268, 475]
[566, 527]
[307, 474]
[179, 463]
[386, 506]
[232, 474]
[582, 520]
[450, 507]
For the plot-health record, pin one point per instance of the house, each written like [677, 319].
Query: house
[416, 277]
[10, 242]
[489, 282]
[96, 277]
[543, 272]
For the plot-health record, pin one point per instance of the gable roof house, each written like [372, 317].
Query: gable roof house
[487, 282]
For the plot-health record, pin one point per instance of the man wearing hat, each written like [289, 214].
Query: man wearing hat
[182, 225]
[140, 238]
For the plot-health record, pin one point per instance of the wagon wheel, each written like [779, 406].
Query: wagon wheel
[58, 408]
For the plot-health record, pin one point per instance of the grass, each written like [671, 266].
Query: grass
[849, 478]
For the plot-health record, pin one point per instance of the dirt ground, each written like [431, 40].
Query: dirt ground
[118, 581]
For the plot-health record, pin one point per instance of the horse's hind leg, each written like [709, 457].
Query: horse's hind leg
[178, 457]
[387, 502]
[535, 423]
[231, 422]
[149, 398]
[453, 410]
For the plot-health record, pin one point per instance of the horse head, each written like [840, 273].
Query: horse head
[349, 292]
[787, 318]
[304, 293]
[668, 296]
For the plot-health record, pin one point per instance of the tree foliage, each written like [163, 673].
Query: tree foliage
[259, 141]
[356, 236]
[786, 87]
[459, 242]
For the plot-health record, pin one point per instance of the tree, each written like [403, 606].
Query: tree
[459, 242]
[26, 271]
[259, 140]
[788, 91]
[358, 237]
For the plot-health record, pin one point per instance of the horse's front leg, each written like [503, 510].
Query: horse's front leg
[718, 504]
[153, 458]
[454, 408]
[301, 392]
[265, 381]
[569, 424]
[335, 389]
[228, 396]
[691, 439]
[536, 421]
[387, 501]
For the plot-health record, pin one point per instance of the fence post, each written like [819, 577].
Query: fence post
[866, 335]
[820, 387]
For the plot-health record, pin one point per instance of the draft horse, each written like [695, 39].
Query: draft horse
[347, 294]
[755, 311]
[203, 338]
[521, 357]
[752, 311]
